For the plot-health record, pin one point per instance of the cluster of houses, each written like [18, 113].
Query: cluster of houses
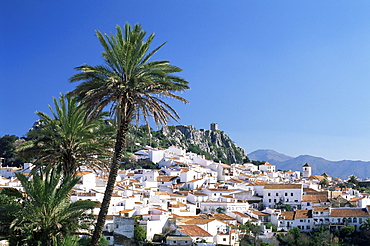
[191, 200]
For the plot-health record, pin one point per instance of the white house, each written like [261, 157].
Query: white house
[279, 194]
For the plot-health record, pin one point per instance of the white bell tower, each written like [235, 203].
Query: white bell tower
[306, 170]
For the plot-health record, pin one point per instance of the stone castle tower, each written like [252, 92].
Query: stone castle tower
[214, 126]
[306, 170]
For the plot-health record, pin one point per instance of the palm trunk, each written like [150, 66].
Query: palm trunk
[119, 146]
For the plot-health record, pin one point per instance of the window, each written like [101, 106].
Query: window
[308, 227]
[291, 194]
[224, 239]
[108, 238]
[277, 194]
[269, 200]
[286, 194]
[269, 194]
[174, 241]
[274, 200]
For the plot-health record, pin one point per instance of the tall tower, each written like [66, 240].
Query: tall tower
[306, 170]
[214, 126]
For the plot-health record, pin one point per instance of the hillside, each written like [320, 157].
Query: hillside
[341, 169]
[214, 144]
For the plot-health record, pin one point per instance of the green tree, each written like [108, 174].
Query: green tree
[10, 206]
[294, 237]
[324, 183]
[321, 236]
[133, 87]
[253, 231]
[68, 139]
[220, 210]
[257, 163]
[347, 231]
[353, 180]
[86, 241]
[7, 150]
[139, 233]
[45, 215]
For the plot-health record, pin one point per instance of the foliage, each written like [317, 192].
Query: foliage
[133, 86]
[8, 145]
[347, 231]
[294, 237]
[321, 236]
[266, 244]
[324, 183]
[45, 215]
[257, 163]
[253, 231]
[353, 180]
[10, 207]
[220, 210]
[139, 233]
[195, 149]
[86, 241]
[269, 225]
[67, 138]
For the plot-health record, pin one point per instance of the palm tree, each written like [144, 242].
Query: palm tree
[133, 87]
[46, 215]
[68, 139]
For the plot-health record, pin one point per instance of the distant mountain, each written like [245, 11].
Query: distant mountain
[267, 155]
[340, 169]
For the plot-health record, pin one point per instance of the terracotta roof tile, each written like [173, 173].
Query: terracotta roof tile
[343, 212]
[194, 231]
[283, 186]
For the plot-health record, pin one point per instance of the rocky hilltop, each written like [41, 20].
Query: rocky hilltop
[214, 144]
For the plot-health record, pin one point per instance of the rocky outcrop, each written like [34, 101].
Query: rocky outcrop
[215, 144]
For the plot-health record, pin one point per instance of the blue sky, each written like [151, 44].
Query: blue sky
[293, 76]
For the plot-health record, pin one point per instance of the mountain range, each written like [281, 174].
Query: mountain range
[341, 169]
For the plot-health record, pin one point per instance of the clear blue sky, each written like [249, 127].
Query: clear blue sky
[293, 76]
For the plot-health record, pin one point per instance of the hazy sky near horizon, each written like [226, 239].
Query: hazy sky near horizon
[292, 76]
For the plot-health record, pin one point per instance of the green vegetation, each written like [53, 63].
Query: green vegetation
[322, 236]
[257, 163]
[44, 215]
[68, 138]
[253, 231]
[195, 149]
[139, 233]
[8, 144]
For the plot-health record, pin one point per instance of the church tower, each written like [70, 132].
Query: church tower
[306, 170]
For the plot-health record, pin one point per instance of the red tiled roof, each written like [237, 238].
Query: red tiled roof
[283, 186]
[194, 231]
[343, 212]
